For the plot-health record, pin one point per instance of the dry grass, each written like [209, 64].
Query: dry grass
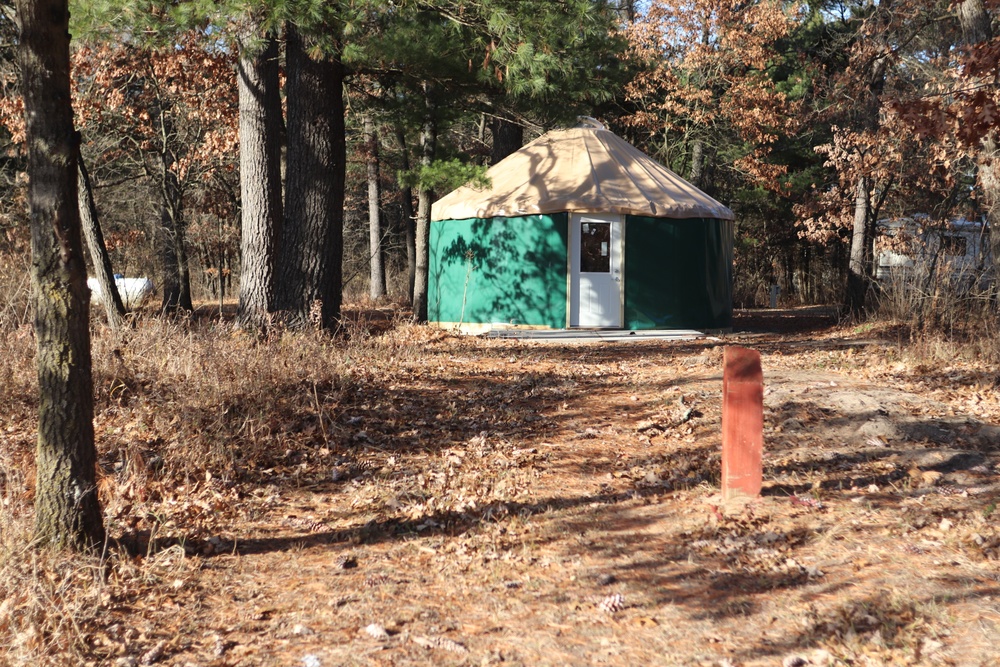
[50, 601]
[15, 311]
[494, 496]
[188, 414]
[949, 314]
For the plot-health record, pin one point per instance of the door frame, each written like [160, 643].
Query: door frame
[617, 251]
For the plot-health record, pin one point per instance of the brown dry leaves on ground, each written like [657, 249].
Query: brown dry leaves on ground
[402, 496]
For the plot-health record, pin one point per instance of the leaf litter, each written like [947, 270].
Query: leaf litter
[476, 500]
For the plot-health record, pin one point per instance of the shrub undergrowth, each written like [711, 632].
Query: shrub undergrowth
[189, 415]
[944, 316]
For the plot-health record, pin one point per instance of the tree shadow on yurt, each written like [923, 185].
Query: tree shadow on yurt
[500, 270]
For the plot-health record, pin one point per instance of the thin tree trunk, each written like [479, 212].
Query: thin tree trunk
[420, 284]
[858, 274]
[260, 177]
[428, 143]
[409, 217]
[173, 253]
[989, 179]
[67, 511]
[697, 162]
[310, 279]
[105, 275]
[508, 137]
[184, 301]
[176, 279]
[377, 275]
[170, 278]
[859, 268]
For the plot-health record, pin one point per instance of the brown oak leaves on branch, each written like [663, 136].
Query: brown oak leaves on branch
[705, 71]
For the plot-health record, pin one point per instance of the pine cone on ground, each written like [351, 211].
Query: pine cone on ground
[612, 603]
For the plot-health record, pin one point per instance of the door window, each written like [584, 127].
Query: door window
[595, 247]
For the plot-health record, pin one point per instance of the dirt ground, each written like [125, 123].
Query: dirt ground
[525, 503]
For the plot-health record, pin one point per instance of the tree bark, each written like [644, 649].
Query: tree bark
[409, 217]
[858, 274]
[977, 27]
[67, 511]
[105, 275]
[377, 274]
[975, 22]
[176, 277]
[697, 162]
[989, 179]
[425, 196]
[628, 10]
[310, 279]
[260, 176]
[508, 137]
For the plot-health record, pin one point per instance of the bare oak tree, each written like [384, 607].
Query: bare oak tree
[376, 251]
[67, 511]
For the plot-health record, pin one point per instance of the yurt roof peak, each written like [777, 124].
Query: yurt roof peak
[584, 169]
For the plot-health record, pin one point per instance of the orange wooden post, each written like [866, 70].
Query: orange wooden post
[742, 422]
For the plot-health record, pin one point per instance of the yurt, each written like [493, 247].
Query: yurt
[579, 229]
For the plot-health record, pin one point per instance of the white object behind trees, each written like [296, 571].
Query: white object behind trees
[134, 291]
[915, 245]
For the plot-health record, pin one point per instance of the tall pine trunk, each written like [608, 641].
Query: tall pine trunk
[67, 511]
[377, 262]
[260, 176]
[425, 196]
[105, 275]
[309, 276]
[409, 217]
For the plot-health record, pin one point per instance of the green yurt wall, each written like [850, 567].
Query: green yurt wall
[503, 270]
[678, 273]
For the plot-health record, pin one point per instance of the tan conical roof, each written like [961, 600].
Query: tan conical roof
[581, 170]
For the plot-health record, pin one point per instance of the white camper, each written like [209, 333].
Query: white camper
[133, 291]
[955, 251]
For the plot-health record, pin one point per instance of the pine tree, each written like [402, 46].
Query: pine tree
[260, 170]
[309, 277]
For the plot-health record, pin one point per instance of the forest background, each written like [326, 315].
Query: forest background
[811, 120]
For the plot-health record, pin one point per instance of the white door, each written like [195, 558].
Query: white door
[595, 271]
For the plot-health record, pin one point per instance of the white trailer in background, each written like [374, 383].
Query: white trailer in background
[133, 291]
[954, 252]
